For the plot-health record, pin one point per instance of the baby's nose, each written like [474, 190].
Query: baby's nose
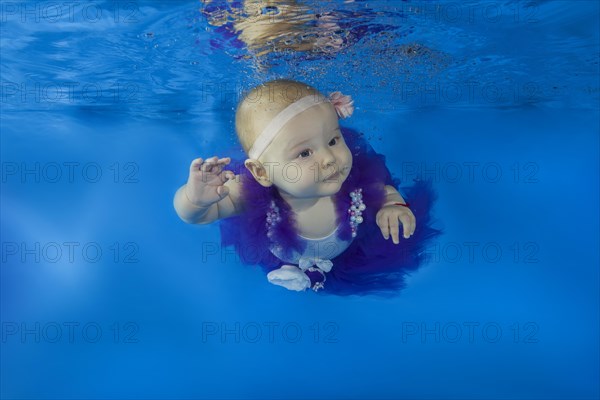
[328, 159]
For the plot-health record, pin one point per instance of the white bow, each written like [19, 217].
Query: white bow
[290, 277]
[295, 278]
[307, 262]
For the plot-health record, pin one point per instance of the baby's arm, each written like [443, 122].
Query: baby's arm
[388, 216]
[392, 195]
[209, 194]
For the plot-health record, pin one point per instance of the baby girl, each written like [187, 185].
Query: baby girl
[303, 198]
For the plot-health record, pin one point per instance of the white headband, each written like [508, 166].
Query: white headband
[268, 134]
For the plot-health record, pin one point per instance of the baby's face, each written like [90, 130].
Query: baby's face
[309, 157]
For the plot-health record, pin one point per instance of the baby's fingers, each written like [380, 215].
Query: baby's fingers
[389, 225]
[383, 225]
[227, 175]
[214, 165]
[222, 191]
[394, 228]
[408, 224]
[195, 165]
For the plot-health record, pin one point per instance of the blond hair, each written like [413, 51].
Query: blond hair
[262, 103]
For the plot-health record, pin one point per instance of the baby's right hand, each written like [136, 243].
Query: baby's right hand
[205, 183]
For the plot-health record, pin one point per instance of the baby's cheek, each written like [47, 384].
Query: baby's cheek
[349, 159]
[346, 168]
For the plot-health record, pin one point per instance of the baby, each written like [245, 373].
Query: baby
[298, 163]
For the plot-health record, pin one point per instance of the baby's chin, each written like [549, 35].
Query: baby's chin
[323, 189]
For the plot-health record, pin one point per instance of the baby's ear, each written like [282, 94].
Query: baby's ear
[258, 171]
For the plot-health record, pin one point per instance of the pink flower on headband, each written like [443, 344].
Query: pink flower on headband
[344, 105]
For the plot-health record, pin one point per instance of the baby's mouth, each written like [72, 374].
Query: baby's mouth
[333, 177]
[339, 173]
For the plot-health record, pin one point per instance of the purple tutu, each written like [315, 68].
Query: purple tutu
[371, 264]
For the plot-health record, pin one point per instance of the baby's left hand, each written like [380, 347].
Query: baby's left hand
[387, 219]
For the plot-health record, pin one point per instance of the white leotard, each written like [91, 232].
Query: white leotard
[325, 248]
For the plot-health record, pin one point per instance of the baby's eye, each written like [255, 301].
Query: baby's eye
[333, 141]
[304, 153]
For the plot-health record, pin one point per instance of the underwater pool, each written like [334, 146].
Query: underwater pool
[106, 293]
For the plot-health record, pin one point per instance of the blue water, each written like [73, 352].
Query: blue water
[105, 293]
